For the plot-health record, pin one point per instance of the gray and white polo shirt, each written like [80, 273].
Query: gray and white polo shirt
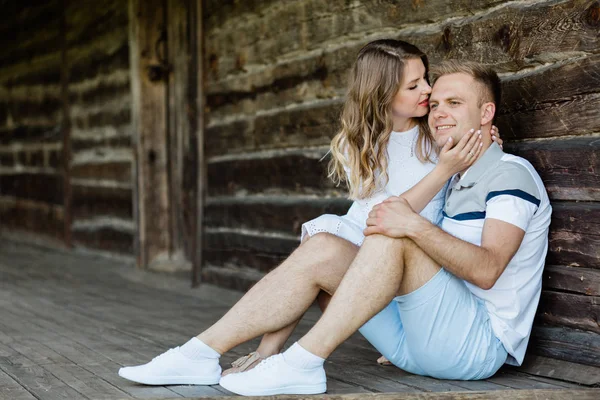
[507, 188]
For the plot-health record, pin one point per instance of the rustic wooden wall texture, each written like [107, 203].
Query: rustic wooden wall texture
[276, 74]
[64, 84]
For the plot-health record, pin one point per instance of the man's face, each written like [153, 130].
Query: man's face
[454, 108]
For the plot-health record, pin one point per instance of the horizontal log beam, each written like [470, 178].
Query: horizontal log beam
[498, 36]
[565, 343]
[90, 201]
[575, 280]
[290, 172]
[568, 167]
[284, 214]
[43, 187]
[575, 234]
[570, 310]
[34, 217]
[233, 278]
[249, 241]
[240, 258]
[29, 134]
[118, 171]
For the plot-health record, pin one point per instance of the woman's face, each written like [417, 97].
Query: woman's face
[411, 101]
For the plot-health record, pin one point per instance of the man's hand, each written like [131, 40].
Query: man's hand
[393, 218]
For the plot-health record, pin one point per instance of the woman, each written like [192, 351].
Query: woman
[384, 149]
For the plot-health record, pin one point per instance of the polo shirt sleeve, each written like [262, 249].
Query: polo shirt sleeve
[513, 196]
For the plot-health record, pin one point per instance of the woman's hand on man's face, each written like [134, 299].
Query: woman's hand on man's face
[457, 158]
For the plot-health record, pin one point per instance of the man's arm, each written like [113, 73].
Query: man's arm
[479, 265]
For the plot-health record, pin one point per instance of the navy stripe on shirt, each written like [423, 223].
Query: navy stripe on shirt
[466, 216]
[514, 192]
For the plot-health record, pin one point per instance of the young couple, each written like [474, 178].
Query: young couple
[438, 262]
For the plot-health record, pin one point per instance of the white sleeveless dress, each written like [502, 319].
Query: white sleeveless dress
[404, 171]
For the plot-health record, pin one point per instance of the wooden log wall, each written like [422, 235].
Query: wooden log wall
[276, 74]
[65, 118]
[100, 111]
[31, 133]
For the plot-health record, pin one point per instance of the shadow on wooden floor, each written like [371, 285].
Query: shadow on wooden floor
[68, 322]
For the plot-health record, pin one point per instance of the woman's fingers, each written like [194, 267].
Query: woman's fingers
[464, 140]
[471, 149]
[495, 132]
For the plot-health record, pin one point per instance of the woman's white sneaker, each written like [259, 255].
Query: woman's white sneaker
[275, 376]
[173, 368]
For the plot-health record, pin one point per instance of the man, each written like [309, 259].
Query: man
[462, 321]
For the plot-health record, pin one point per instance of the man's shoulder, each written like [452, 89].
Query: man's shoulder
[513, 175]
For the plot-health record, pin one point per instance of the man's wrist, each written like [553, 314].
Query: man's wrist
[417, 225]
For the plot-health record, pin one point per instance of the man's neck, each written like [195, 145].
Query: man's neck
[486, 141]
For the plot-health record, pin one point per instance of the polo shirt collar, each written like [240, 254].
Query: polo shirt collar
[489, 159]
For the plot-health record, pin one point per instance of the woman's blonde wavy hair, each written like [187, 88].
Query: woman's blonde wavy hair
[360, 148]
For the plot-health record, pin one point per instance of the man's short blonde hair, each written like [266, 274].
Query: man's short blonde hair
[485, 76]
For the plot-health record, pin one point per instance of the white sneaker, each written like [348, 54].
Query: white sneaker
[173, 368]
[275, 376]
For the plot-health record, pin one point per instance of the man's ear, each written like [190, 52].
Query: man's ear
[488, 110]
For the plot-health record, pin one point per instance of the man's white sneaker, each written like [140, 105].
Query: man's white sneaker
[275, 376]
[173, 368]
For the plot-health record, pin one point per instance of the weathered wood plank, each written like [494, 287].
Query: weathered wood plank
[575, 234]
[150, 131]
[121, 141]
[308, 125]
[85, 382]
[497, 36]
[254, 241]
[263, 262]
[572, 279]
[572, 310]
[567, 344]
[231, 277]
[10, 389]
[91, 201]
[182, 125]
[31, 133]
[281, 213]
[539, 104]
[549, 367]
[568, 167]
[295, 171]
[40, 382]
[117, 171]
[42, 187]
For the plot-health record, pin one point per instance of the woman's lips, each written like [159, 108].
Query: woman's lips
[424, 103]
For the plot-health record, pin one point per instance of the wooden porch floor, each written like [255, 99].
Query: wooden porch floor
[68, 322]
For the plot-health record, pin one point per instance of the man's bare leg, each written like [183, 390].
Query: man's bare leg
[272, 343]
[275, 302]
[282, 297]
[384, 267]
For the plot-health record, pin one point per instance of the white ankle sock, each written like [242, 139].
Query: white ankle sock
[298, 357]
[196, 349]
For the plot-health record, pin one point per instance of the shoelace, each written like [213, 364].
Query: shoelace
[267, 363]
[170, 351]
